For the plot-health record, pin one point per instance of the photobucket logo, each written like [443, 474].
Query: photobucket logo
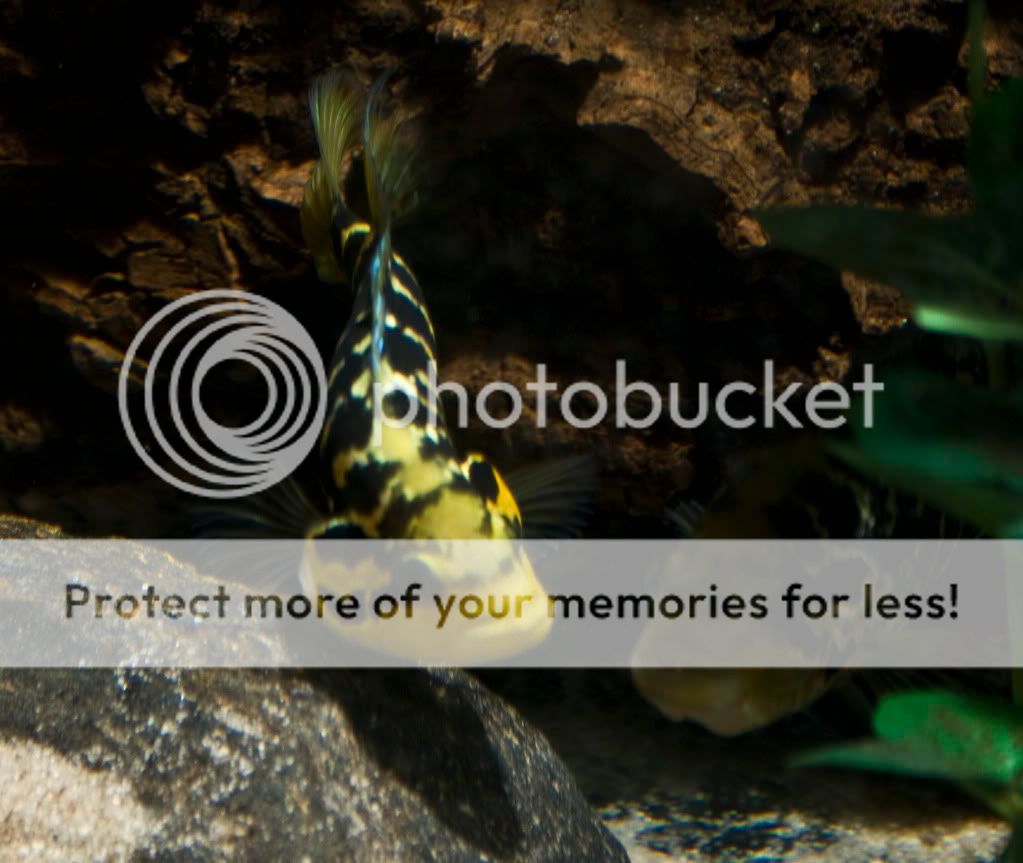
[199, 332]
[824, 405]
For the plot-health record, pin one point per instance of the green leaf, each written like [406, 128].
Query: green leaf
[975, 738]
[995, 163]
[908, 757]
[939, 263]
[956, 446]
[963, 730]
[975, 741]
[990, 326]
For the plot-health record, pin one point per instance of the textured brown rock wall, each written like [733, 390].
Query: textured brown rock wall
[590, 169]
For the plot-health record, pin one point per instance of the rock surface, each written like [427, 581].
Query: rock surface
[590, 171]
[674, 792]
[249, 765]
[140, 764]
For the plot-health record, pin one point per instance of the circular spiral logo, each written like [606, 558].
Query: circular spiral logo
[198, 333]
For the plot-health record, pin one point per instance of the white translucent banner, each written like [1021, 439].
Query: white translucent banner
[602, 603]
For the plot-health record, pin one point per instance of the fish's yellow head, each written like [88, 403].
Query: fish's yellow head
[487, 569]
[481, 598]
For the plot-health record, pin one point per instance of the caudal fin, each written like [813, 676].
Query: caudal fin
[389, 158]
[337, 103]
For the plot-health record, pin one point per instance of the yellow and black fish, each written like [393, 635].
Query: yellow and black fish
[396, 480]
[389, 481]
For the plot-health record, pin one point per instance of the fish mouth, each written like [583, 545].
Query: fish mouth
[500, 638]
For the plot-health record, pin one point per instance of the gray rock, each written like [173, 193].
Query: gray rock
[175, 765]
[252, 765]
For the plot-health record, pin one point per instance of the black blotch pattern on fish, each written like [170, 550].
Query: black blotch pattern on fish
[460, 483]
[481, 475]
[396, 405]
[404, 274]
[364, 484]
[343, 530]
[344, 378]
[336, 243]
[352, 430]
[408, 313]
[350, 240]
[404, 353]
[431, 450]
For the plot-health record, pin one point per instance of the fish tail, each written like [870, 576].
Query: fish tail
[336, 102]
[388, 159]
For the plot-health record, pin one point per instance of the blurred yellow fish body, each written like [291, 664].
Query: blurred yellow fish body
[769, 496]
[730, 701]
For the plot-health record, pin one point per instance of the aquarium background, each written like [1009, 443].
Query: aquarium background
[592, 179]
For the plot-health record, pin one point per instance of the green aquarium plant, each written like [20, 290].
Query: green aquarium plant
[956, 445]
[976, 742]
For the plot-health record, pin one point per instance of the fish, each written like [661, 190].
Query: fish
[795, 490]
[404, 482]
[731, 701]
[382, 479]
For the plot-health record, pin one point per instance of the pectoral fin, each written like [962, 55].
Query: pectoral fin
[555, 497]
